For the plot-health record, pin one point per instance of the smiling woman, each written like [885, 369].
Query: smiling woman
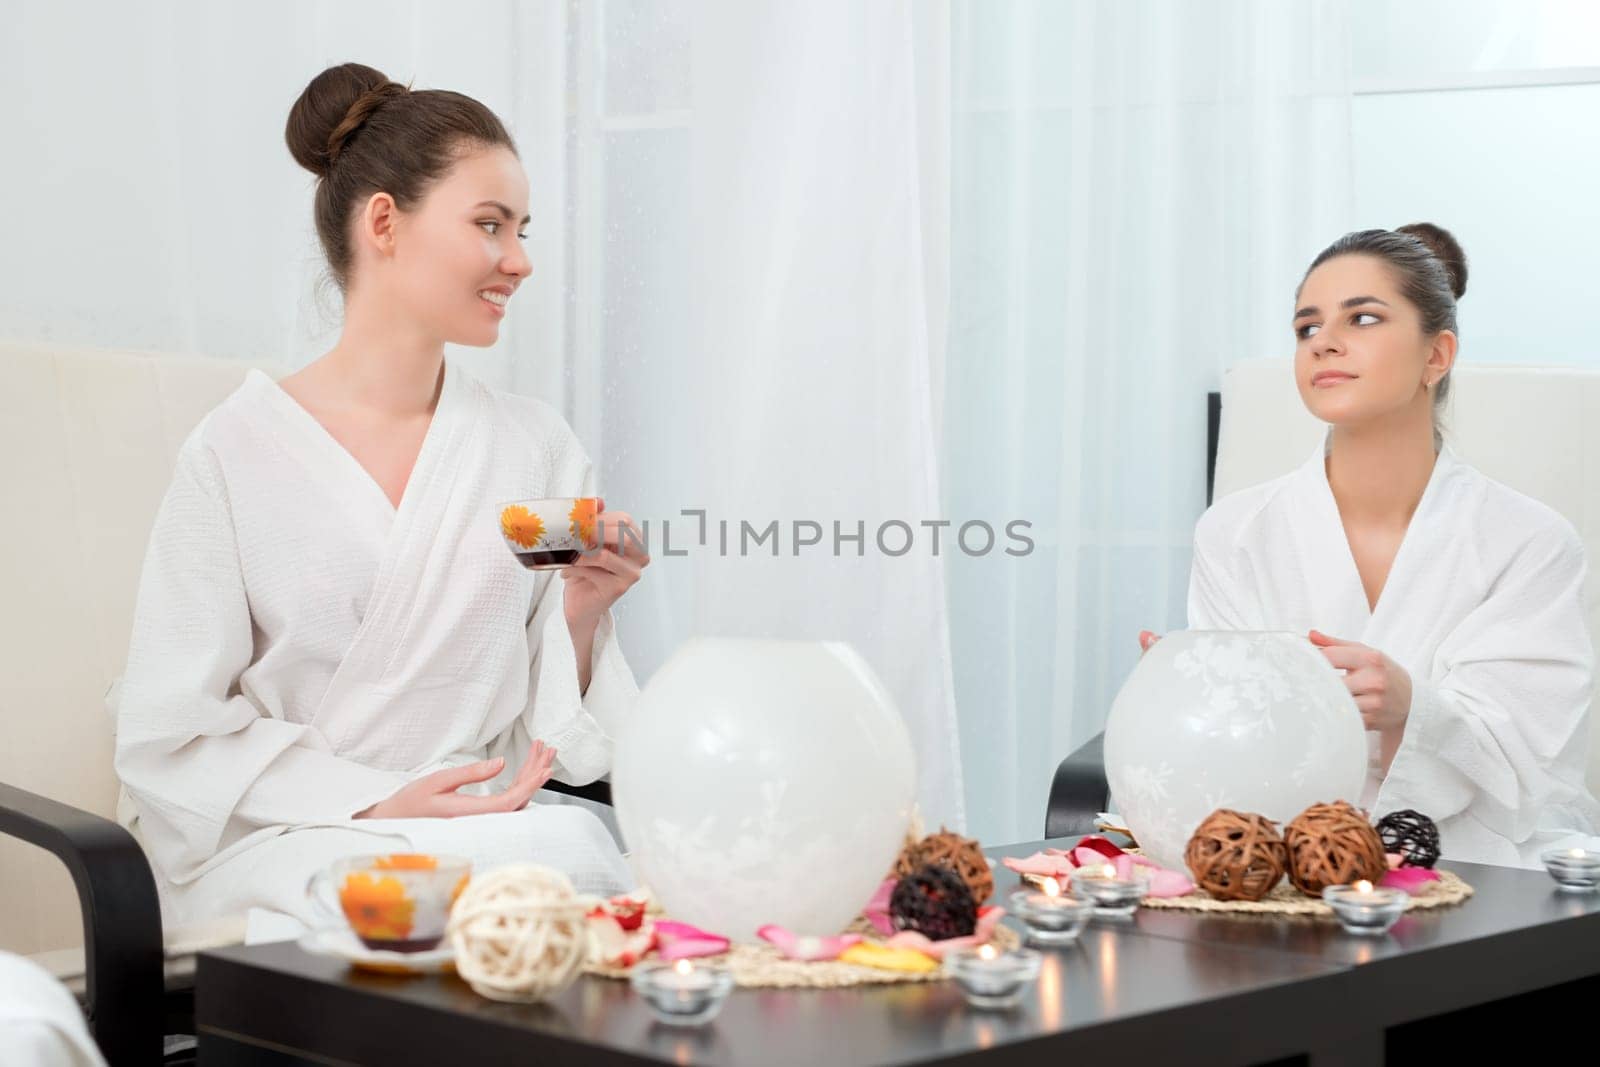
[330, 637]
[1457, 602]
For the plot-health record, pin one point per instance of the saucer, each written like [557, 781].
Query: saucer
[341, 943]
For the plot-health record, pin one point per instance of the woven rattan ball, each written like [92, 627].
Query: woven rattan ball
[934, 900]
[1413, 835]
[519, 933]
[1236, 855]
[954, 852]
[1332, 844]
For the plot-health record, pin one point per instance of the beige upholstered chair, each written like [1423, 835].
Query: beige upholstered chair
[87, 444]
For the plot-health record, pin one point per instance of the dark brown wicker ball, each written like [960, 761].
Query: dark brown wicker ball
[1413, 835]
[934, 900]
[1236, 855]
[946, 849]
[1332, 844]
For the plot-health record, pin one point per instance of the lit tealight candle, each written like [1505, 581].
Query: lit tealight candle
[990, 978]
[1112, 897]
[1363, 908]
[683, 994]
[1052, 919]
[1576, 870]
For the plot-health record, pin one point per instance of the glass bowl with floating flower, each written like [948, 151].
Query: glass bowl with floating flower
[550, 533]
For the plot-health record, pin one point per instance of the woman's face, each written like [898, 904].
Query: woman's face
[457, 256]
[1360, 351]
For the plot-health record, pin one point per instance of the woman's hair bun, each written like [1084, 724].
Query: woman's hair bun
[1445, 248]
[326, 115]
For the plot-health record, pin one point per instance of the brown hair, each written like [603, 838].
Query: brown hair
[361, 133]
[1431, 268]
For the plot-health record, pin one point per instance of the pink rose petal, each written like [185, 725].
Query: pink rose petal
[1165, 883]
[877, 909]
[616, 946]
[1411, 879]
[681, 941]
[796, 947]
[1040, 864]
[1096, 843]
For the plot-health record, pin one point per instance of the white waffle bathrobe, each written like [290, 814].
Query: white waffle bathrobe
[1483, 607]
[301, 649]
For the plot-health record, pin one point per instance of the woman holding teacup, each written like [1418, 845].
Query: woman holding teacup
[1453, 604]
[334, 651]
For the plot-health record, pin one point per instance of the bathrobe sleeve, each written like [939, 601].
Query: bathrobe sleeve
[1221, 592]
[203, 765]
[1498, 731]
[580, 727]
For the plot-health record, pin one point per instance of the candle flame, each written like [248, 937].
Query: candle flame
[986, 952]
[1051, 887]
[1363, 886]
[683, 967]
[1108, 871]
[1576, 853]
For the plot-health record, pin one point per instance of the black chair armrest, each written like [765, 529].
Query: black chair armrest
[121, 918]
[599, 792]
[1079, 792]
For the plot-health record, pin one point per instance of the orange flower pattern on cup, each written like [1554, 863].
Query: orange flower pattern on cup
[398, 902]
[584, 516]
[379, 909]
[521, 525]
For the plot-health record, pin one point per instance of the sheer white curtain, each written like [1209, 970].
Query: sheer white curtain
[729, 295]
[1136, 189]
[831, 262]
[765, 336]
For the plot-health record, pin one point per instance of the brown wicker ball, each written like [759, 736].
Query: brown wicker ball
[1332, 844]
[950, 850]
[1236, 855]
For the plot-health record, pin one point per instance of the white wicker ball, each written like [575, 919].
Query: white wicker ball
[519, 933]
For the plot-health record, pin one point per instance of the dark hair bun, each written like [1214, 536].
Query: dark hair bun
[322, 119]
[1446, 249]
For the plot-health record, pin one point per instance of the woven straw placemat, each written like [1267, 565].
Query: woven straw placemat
[763, 966]
[1285, 899]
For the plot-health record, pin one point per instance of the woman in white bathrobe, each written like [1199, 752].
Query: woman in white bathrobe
[1453, 603]
[333, 651]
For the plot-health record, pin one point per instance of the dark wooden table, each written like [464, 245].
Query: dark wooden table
[1164, 987]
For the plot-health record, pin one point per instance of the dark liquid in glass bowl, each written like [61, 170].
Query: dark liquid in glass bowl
[561, 557]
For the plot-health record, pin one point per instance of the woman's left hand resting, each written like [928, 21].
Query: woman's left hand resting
[1381, 687]
[434, 796]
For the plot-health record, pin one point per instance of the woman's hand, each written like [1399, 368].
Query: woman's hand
[1381, 687]
[434, 796]
[600, 578]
